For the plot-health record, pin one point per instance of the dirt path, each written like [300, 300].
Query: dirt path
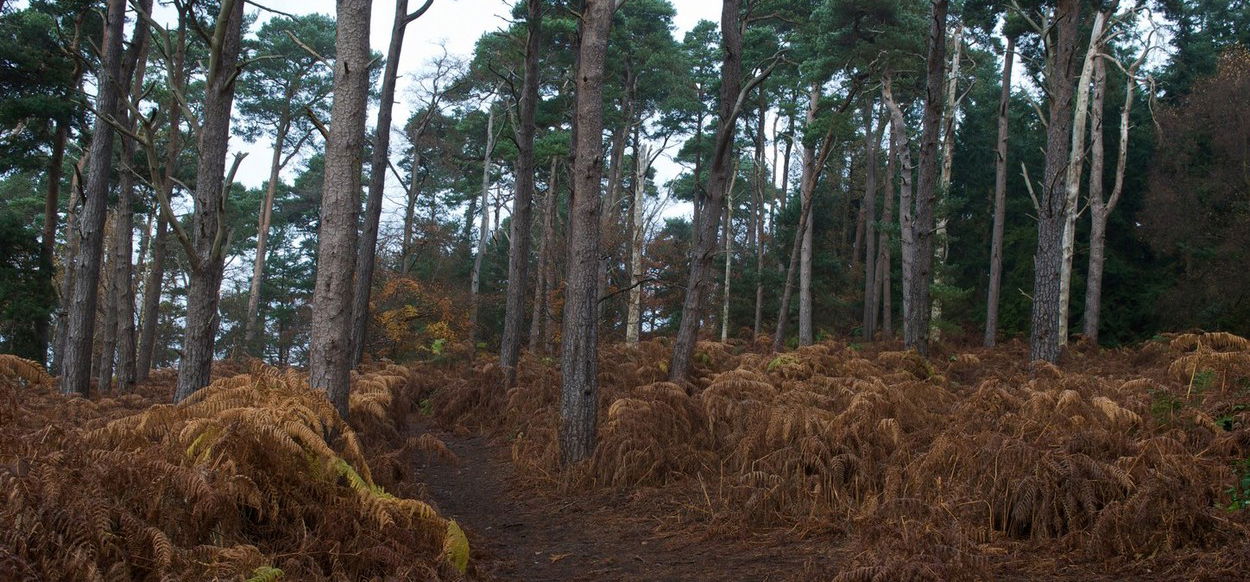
[520, 536]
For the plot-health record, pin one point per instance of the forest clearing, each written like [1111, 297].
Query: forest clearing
[845, 290]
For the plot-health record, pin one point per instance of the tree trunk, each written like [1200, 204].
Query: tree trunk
[907, 229]
[121, 284]
[704, 248]
[729, 249]
[916, 327]
[1000, 199]
[522, 203]
[1100, 210]
[47, 246]
[949, 120]
[76, 366]
[1076, 161]
[884, 246]
[579, 352]
[475, 278]
[757, 210]
[366, 255]
[633, 319]
[805, 280]
[1044, 336]
[252, 323]
[806, 187]
[871, 138]
[151, 301]
[539, 320]
[329, 352]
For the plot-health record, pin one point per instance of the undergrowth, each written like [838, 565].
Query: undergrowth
[963, 466]
[254, 477]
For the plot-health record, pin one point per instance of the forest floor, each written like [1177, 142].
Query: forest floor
[519, 534]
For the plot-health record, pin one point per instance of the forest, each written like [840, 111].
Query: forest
[852, 290]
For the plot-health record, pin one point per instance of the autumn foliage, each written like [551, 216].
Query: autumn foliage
[965, 466]
[254, 477]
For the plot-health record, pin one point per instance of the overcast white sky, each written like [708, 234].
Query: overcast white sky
[456, 24]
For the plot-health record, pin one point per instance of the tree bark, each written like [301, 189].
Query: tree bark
[475, 278]
[807, 186]
[916, 326]
[871, 140]
[366, 255]
[47, 246]
[208, 224]
[906, 220]
[949, 119]
[539, 320]
[1000, 199]
[1044, 335]
[252, 323]
[729, 248]
[757, 210]
[1101, 209]
[633, 317]
[76, 367]
[704, 248]
[884, 246]
[1076, 164]
[522, 203]
[579, 352]
[151, 301]
[119, 336]
[329, 352]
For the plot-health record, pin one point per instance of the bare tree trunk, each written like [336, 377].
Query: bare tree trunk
[884, 247]
[729, 249]
[805, 283]
[252, 323]
[705, 239]
[1000, 199]
[806, 187]
[907, 228]
[522, 203]
[475, 278]
[633, 319]
[1100, 210]
[69, 263]
[949, 120]
[538, 323]
[151, 302]
[579, 351]
[916, 327]
[366, 255]
[47, 244]
[757, 210]
[872, 139]
[329, 351]
[208, 222]
[120, 324]
[1076, 162]
[1044, 337]
[76, 366]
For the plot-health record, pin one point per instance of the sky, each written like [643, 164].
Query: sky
[453, 24]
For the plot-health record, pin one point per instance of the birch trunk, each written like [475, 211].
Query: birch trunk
[729, 249]
[900, 143]
[475, 277]
[806, 187]
[884, 246]
[633, 319]
[871, 140]
[1000, 199]
[1076, 162]
[950, 119]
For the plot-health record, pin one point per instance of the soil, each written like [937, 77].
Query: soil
[519, 534]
